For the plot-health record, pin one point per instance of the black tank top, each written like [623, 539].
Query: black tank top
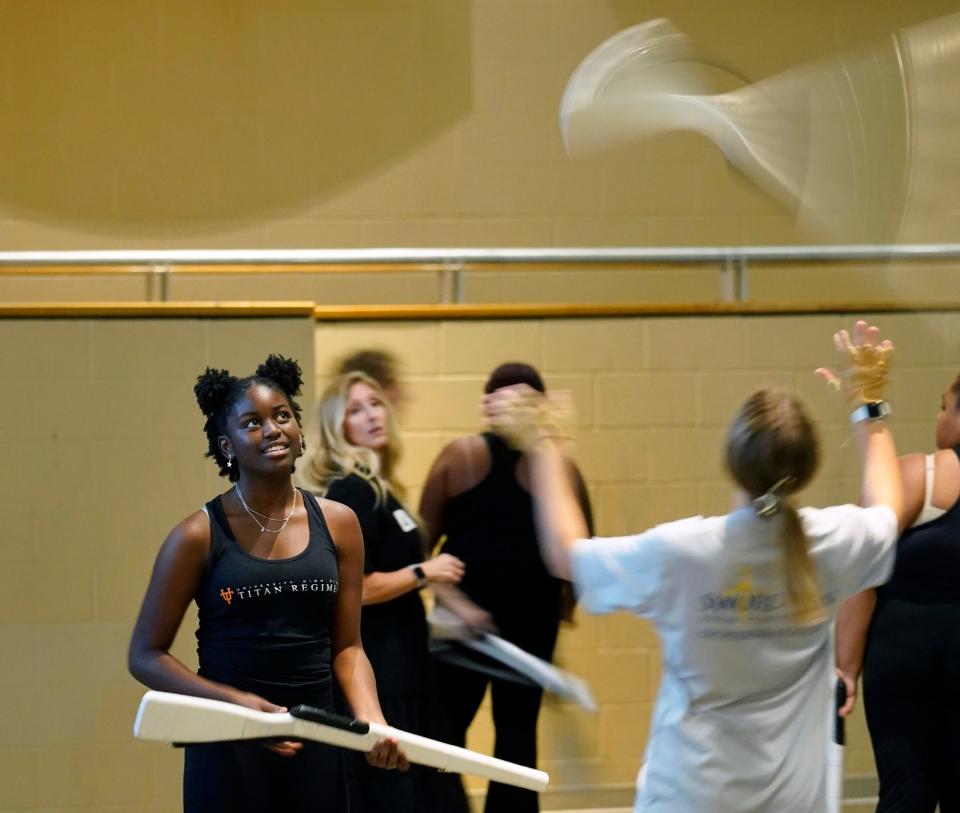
[491, 528]
[264, 624]
[928, 561]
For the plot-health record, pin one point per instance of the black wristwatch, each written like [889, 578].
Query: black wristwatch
[421, 576]
[870, 411]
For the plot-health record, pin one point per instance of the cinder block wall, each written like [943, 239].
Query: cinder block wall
[654, 397]
[104, 454]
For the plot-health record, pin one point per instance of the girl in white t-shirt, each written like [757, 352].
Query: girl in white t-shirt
[743, 603]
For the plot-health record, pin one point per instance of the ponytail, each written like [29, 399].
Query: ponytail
[772, 452]
[805, 601]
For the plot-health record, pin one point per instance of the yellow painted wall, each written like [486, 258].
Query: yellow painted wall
[103, 455]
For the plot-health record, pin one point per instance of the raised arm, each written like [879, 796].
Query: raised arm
[881, 483]
[560, 520]
[864, 381]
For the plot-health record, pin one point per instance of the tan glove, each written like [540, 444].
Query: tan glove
[864, 376]
[865, 379]
[523, 417]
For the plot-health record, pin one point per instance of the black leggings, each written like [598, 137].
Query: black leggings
[456, 695]
[911, 692]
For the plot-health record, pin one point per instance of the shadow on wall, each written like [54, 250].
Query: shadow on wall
[134, 111]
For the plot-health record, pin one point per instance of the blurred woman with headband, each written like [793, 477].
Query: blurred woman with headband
[477, 499]
[743, 603]
[355, 464]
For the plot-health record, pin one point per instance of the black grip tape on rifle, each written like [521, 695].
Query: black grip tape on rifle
[839, 733]
[316, 715]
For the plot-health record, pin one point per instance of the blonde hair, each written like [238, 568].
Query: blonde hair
[335, 457]
[772, 449]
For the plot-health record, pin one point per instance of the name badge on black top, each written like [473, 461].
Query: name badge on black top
[404, 520]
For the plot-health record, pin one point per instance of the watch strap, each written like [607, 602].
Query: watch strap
[421, 576]
[870, 411]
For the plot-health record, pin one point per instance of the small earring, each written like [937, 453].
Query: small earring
[303, 446]
[229, 462]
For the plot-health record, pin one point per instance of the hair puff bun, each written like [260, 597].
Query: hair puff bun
[284, 372]
[212, 388]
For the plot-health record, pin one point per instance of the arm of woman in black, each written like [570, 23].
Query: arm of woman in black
[350, 663]
[449, 475]
[378, 585]
[856, 613]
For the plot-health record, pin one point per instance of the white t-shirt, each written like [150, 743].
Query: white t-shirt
[743, 716]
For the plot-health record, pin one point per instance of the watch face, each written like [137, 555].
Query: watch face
[872, 411]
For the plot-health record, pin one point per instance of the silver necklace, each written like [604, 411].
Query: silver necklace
[254, 514]
[267, 516]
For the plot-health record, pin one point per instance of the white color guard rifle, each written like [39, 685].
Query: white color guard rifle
[182, 719]
[445, 625]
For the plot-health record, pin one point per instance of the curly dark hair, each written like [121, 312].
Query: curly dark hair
[217, 391]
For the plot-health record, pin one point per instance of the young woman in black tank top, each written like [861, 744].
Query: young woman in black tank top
[276, 577]
[476, 497]
[906, 636]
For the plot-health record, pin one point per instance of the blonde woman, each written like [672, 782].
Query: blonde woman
[355, 464]
[743, 603]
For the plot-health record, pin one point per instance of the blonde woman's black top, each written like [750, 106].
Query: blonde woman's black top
[394, 632]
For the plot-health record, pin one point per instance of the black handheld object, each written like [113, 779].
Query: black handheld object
[839, 734]
[316, 715]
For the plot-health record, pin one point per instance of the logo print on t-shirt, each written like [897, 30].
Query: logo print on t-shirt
[249, 592]
[741, 593]
[755, 605]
